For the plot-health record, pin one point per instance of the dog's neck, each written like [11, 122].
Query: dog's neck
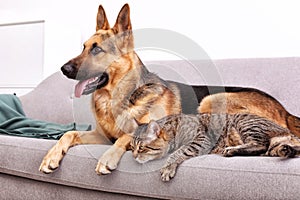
[128, 67]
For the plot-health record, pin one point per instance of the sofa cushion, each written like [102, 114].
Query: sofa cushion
[31, 189]
[204, 177]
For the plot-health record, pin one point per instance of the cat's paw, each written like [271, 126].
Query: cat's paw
[286, 151]
[168, 172]
[229, 151]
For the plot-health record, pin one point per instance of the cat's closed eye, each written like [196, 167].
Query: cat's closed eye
[139, 148]
[145, 149]
[142, 149]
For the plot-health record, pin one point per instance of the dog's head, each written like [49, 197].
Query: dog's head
[101, 52]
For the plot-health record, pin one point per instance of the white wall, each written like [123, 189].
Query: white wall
[224, 29]
[22, 56]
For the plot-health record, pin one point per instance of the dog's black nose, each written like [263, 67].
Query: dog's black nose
[69, 70]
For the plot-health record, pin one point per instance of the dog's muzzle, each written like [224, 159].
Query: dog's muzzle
[88, 86]
[84, 86]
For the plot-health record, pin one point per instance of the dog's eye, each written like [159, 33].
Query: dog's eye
[96, 50]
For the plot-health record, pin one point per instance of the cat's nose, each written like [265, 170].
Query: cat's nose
[134, 153]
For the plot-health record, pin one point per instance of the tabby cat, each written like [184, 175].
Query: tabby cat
[185, 136]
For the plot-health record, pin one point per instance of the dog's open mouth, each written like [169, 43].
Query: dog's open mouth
[85, 87]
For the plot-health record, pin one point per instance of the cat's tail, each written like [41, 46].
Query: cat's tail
[293, 123]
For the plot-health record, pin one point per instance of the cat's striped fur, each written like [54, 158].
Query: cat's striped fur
[185, 136]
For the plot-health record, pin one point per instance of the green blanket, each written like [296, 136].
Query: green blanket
[13, 121]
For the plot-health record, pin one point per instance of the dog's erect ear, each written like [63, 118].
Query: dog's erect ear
[123, 21]
[102, 22]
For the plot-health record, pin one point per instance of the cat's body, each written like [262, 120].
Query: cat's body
[185, 136]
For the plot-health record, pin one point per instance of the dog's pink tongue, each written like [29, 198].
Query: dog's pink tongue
[79, 88]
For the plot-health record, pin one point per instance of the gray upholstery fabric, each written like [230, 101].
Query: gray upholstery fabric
[51, 100]
[17, 188]
[205, 177]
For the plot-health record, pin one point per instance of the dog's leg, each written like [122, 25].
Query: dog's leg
[141, 97]
[110, 159]
[55, 154]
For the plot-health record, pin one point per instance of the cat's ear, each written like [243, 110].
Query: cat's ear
[153, 130]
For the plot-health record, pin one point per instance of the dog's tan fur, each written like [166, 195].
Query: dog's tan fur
[245, 102]
[130, 96]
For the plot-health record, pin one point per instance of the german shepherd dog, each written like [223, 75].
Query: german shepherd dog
[125, 93]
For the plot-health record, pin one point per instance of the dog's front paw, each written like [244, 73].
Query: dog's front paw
[51, 160]
[168, 172]
[109, 160]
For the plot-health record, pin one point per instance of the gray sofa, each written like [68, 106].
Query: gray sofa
[204, 177]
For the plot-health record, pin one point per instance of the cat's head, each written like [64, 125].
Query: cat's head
[149, 142]
[282, 146]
